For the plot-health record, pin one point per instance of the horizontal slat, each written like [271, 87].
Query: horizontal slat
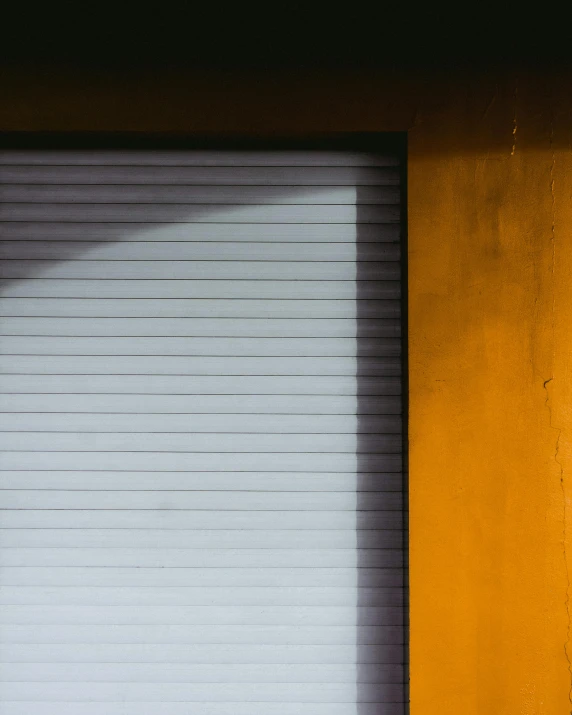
[182, 708]
[187, 251]
[193, 596]
[160, 289]
[203, 653]
[193, 673]
[241, 577]
[197, 308]
[200, 539]
[200, 481]
[201, 327]
[207, 194]
[169, 519]
[87, 482]
[244, 539]
[205, 442]
[202, 213]
[198, 558]
[205, 461]
[237, 159]
[203, 500]
[171, 383]
[202, 615]
[199, 404]
[204, 270]
[193, 365]
[213, 634]
[195, 692]
[221, 424]
[206, 481]
[207, 346]
[201, 385]
[199, 232]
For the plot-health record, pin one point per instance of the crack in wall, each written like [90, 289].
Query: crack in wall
[567, 598]
[514, 121]
[490, 103]
[564, 539]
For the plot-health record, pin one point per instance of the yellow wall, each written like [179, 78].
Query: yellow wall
[490, 314]
[490, 400]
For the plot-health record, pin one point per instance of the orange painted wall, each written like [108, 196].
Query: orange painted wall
[490, 346]
[490, 317]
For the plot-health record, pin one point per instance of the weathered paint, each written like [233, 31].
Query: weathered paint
[490, 316]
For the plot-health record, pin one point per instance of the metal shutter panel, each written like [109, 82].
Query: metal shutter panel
[201, 434]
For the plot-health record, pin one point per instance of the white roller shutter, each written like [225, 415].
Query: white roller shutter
[201, 477]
